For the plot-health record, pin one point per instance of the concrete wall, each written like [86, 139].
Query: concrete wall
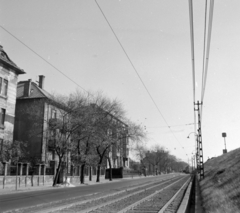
[23, 181]
[36, 180]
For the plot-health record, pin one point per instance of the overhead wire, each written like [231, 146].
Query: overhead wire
[192, 48]
[193, 63]
[54, 67]
[135, 69]
[204, 47]
[206, 51]
[58, 70]
[172, 126]
[209, 33]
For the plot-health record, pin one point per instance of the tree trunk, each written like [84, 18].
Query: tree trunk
[110, 169]
[98, 172]
[90, 173]
[101, 156]
[57, 173]
[82, 175]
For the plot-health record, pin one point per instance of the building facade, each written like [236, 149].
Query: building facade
[119, 152]
[9, 72]
[35, 108]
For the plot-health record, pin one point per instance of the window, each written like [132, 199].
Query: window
[0, 85]
[127, 152]
[3, 86]
[53, 113]
[2, 117]
[1, 146]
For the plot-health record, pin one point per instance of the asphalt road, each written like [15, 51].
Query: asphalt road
[33, 198]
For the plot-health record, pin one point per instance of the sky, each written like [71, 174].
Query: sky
[75, 38]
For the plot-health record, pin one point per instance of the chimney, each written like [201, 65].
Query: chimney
[41, 81]
[27, 88]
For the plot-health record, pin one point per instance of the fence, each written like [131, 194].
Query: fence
[38, 175]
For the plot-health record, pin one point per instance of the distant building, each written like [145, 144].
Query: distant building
[119, 152]
[9, 72]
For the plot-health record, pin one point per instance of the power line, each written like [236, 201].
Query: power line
[208, 46]
[204, 46]
[54, 67]
[199, 151]
[171, 126]
[58, 70]
[130, 62]
[134, 68]
[192, 47]
[193, 58]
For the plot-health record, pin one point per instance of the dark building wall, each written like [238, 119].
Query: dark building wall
[31, 125]
[29, 119]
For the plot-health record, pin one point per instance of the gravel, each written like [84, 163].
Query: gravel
[154, 203]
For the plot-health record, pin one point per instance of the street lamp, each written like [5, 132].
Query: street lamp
[224, 135]
[192, 133]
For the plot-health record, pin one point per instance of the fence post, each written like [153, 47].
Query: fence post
[39, 172]
[26, 173]
[44, 173]
[20, 171]
[16, 175]
[20, 168]
[5, 169]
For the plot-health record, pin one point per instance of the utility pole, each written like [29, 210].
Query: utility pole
[194, 162]
[199, 142]
[197, 156]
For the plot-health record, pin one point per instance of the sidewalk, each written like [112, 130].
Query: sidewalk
[12, 189]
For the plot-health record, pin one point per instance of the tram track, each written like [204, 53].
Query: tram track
[163, 194]
[133, 200]
[94, 198]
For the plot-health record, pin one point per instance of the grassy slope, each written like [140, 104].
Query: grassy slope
[221, 185]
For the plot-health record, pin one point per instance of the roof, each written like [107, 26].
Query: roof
[35, 92]
[8, 62]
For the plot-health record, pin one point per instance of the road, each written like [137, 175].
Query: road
[33, 198]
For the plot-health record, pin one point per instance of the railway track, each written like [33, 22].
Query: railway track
[160, 196]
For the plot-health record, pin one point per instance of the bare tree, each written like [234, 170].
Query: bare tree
[140, 151]
[107, 116]
[81, 118]
[157, 158]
